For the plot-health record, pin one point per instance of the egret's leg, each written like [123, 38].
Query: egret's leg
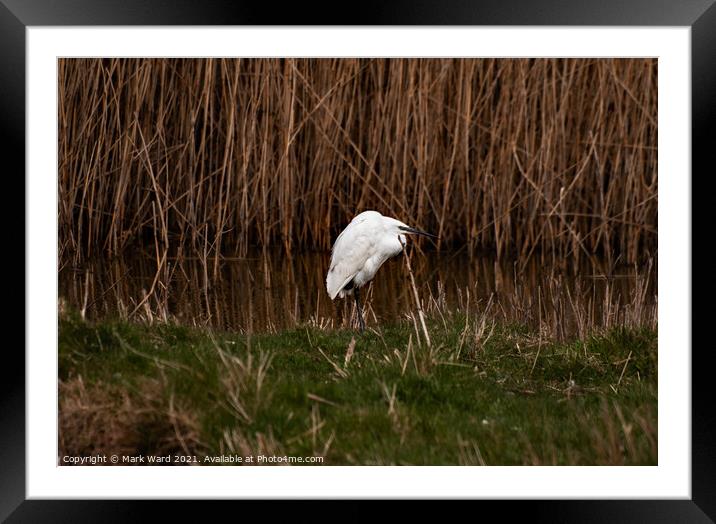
[360, 311]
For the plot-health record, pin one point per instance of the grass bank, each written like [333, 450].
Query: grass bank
[481, 393]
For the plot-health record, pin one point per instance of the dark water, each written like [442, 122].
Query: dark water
[270, 291]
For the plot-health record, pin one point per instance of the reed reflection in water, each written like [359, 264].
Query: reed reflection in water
[268, 291]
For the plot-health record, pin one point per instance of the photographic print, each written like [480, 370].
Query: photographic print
[357, 261]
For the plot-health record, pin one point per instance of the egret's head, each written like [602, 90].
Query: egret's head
[400, 229]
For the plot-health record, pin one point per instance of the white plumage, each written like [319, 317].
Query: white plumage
[359, 251]
[361, 248]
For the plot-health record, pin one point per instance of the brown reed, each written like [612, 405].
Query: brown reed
[547, 158]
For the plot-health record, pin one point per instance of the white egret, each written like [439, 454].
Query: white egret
[359, 251]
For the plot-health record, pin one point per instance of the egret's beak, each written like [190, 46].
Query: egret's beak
[416, 231]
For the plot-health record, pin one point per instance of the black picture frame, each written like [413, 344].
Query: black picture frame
[16, 15]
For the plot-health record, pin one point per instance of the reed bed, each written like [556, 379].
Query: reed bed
[547, 159]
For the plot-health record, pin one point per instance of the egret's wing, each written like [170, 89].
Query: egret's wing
[353, 247]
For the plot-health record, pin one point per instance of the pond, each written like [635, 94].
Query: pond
[269, 291]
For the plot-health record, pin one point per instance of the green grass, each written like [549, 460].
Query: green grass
[495, 395]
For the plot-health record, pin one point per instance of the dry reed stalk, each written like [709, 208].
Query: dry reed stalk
[418, 305]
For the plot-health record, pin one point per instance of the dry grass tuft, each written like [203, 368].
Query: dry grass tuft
[105, 419]
[238, 442]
